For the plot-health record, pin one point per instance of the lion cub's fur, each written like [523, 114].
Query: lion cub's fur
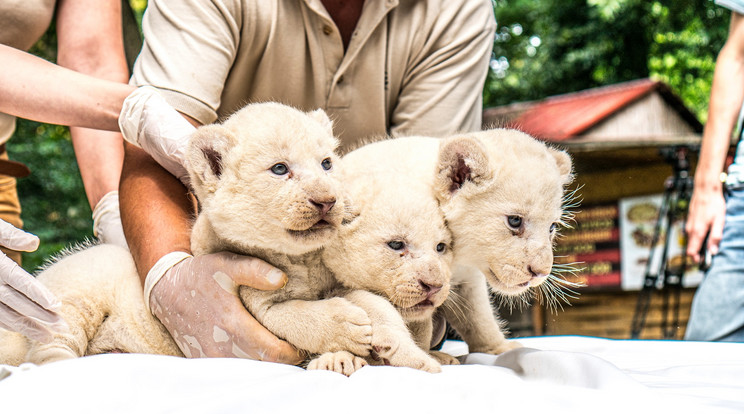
[266, 185]
[288, 217]
[500, 192]
[398, 247]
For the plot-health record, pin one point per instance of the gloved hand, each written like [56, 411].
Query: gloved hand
[107, 221]
[196, 299]
[26, 306]
[148, 122]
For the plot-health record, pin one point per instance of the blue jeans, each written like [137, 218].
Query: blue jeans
[717, 312]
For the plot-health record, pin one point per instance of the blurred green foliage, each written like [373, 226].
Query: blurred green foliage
[549, 47]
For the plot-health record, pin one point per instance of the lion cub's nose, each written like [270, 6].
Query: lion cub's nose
[429, 289]
[323, 206]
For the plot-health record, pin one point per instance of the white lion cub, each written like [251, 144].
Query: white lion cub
[266, 185]
[501, 194]
[291, 207]
[398, 247]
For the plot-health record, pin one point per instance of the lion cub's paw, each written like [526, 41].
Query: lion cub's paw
[47, 353]
[499, 348]
[414, 358]
[340, 361]
[444, 358]
[353, 328]
[425, 363]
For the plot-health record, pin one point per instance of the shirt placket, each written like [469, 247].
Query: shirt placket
[339, 66]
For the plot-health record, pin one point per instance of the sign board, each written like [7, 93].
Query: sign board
[592, 246]
[638, 217]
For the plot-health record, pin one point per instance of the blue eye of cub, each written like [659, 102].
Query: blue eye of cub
[279, 168]
[326, 164]
[441, 247]
[553, 227]
[515, 222]
[396, 244]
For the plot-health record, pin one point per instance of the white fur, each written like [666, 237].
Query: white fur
[398, 247]
[249, 206]
[480, 180]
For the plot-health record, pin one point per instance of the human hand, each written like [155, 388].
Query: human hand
[706, 216]
[148, 122]
[196, 299]
[26, 306]
[107, 221]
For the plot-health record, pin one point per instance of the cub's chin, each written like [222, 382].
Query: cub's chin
[505, 288]
[316, 235]
[422, 310]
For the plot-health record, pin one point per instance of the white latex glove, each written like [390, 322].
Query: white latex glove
[150, 123]
[26, 306]
[107, 221]
[196, 299]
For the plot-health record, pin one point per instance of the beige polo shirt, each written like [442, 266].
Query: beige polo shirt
[412, 66]
[22, 22]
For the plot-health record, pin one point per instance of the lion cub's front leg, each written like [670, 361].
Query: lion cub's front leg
[318, 326]
[341, 361]
[391, 341]
[480, 329]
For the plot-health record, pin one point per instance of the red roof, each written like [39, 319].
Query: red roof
[566, 116]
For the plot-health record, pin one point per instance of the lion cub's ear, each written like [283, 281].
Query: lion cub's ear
[208, 148]
[322, 117]
[565, 166]
[462, 163]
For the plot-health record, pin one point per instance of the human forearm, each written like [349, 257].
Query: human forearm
[36, 89]
[156, 210]
[727, 94]
[90, 41]
[707, 207]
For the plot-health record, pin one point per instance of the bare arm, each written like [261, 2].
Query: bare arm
[156, 210]
[707, 208]
[35, 89]
[90, 41]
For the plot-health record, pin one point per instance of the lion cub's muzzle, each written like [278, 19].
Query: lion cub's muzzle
[317, 216]
[423, 293]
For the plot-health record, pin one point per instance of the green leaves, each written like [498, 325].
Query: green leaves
[589, 43]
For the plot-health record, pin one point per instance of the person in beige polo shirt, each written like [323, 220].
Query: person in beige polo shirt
[377, 67]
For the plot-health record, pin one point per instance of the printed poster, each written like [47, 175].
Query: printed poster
[638, 217]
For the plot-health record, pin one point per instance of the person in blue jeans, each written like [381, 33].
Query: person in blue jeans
[717, 312]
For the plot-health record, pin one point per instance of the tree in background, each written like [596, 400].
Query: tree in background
[549, 47]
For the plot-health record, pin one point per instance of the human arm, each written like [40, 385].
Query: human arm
[90, 41]
[707, 207]
[442, 93]
[36, 89]
[26, 305]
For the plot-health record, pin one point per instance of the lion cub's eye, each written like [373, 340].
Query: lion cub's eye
[326, 164]
[514, 222]
[441, 247]
[279, 168]
[553, 227]
[396, 244]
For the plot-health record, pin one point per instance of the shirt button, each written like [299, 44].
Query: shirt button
[327, 30]
[340, 79]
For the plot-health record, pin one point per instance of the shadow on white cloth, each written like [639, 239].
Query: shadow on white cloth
[555, 374]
